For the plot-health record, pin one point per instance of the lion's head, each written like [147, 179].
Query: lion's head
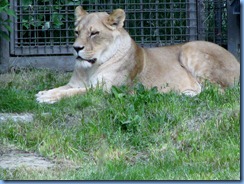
[98, 36]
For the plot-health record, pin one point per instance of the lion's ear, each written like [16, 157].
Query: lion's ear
[79, 13]
[115, 19]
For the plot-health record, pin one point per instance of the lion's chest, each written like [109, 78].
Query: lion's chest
[109, 75]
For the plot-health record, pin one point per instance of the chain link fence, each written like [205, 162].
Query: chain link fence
[45, 27]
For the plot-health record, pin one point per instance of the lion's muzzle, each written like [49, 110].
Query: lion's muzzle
[78, 49]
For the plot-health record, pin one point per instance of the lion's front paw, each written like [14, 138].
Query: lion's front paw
[47, 97]
[190, 93]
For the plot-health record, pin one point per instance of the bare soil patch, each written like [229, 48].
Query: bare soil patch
[13, 158]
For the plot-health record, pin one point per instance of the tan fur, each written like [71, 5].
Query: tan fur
[107, 56]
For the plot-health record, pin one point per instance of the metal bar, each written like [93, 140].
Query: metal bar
[35, 13]
[141, 22]
[51, 32]
[66, 26]
[156, 32]
[13, 35]
[171, 22]
[218, 21]
[192, 23]
[233, 32]
[201, 19]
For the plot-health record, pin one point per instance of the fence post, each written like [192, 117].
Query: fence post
[192, 23]
[218, 21]
[4, 49]
[234, 28]
[201, 20]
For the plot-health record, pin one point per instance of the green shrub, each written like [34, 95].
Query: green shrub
[4, 8]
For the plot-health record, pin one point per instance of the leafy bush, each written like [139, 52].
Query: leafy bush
[4, 8]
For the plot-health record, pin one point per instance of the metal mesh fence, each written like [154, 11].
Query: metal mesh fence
[45, 27]
[212, 21]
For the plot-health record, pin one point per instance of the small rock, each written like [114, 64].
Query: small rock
[23, 117]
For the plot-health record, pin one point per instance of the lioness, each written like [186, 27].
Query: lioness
[106, 55]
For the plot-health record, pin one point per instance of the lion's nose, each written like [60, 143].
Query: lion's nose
[77, 49]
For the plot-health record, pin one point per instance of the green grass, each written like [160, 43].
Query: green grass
[123, 136]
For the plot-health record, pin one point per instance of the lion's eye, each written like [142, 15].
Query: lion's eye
[76, 33]
[94, 33]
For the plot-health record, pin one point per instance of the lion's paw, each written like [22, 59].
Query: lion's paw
[46, 97]
[190, 93]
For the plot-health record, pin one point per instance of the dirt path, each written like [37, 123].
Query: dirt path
[13, 158]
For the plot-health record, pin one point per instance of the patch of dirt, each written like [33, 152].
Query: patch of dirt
[195, 123]
[13, 158]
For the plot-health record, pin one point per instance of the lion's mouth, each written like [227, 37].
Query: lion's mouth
[92, 61]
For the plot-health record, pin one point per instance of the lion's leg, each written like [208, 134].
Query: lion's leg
[207, 61]
[54, 95]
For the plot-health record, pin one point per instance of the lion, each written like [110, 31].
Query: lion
[107, 56]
